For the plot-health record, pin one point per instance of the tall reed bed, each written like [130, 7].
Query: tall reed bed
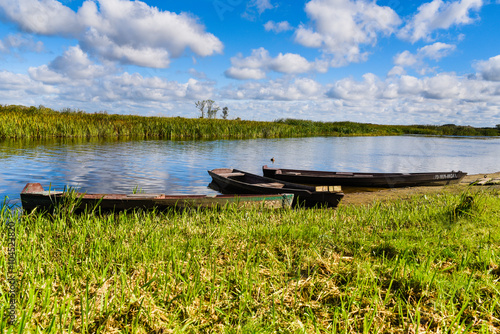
[354, 129]
[31, 122]
[428, 264]
[22, 122]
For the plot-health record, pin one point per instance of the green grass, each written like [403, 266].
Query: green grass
[32, 122]
[428, 263]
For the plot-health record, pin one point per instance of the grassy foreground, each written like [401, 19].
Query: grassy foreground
[32, 122]
[425, 264]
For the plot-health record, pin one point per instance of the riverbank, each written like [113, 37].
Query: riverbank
[423, 264]
[366, 198]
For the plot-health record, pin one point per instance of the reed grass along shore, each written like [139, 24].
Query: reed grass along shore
[40, 122]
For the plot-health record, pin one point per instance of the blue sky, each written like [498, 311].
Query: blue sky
[386, 61]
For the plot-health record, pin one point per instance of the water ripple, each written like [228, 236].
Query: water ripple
[180, 167]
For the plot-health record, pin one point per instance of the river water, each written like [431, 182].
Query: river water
[180, 167]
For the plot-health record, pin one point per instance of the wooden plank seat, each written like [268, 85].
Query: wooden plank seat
[145, 196]
[234, 174]
[270, 185]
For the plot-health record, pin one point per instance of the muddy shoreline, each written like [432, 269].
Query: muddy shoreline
[364, 198]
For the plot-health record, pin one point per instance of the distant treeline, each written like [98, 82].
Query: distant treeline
[40, 122]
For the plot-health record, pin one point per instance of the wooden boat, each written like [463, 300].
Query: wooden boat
[377, 180]
[235, 181]
[34, 196]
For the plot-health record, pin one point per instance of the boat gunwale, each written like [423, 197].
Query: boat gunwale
[354, 179]
[33, 195]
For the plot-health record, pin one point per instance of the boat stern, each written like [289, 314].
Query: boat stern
[32, 188]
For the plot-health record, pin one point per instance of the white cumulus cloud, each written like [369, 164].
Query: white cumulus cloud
[255, 8]
[276, 90]
[445, 86]
[489, 69]
[73, 64]
[438, 14]
[350, 89]
[439, 99]
[429, 89]
[405, 58]
[277, 27]
[260, 62]
[130, 32]
[19, 87]
[245, 73]
[341, 27]
[434, 52]
[261, 5]
[44, 17]
[20, 42]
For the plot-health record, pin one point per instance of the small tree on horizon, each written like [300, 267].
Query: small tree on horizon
[210, 106]
[225, 112]
[201, 106]
[212, 109]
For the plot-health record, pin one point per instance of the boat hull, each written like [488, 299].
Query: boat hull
[375, 180]
[34, 196]
[234, 181]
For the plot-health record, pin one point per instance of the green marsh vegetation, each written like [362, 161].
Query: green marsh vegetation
[40, 122]
[424, 264]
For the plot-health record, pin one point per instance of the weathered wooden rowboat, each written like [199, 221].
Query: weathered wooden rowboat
[34, 196]
[235, 181]
[377, 180]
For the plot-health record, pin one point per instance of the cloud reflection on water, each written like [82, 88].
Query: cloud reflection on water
[180, 167]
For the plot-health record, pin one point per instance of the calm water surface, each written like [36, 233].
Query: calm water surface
[180, 167]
